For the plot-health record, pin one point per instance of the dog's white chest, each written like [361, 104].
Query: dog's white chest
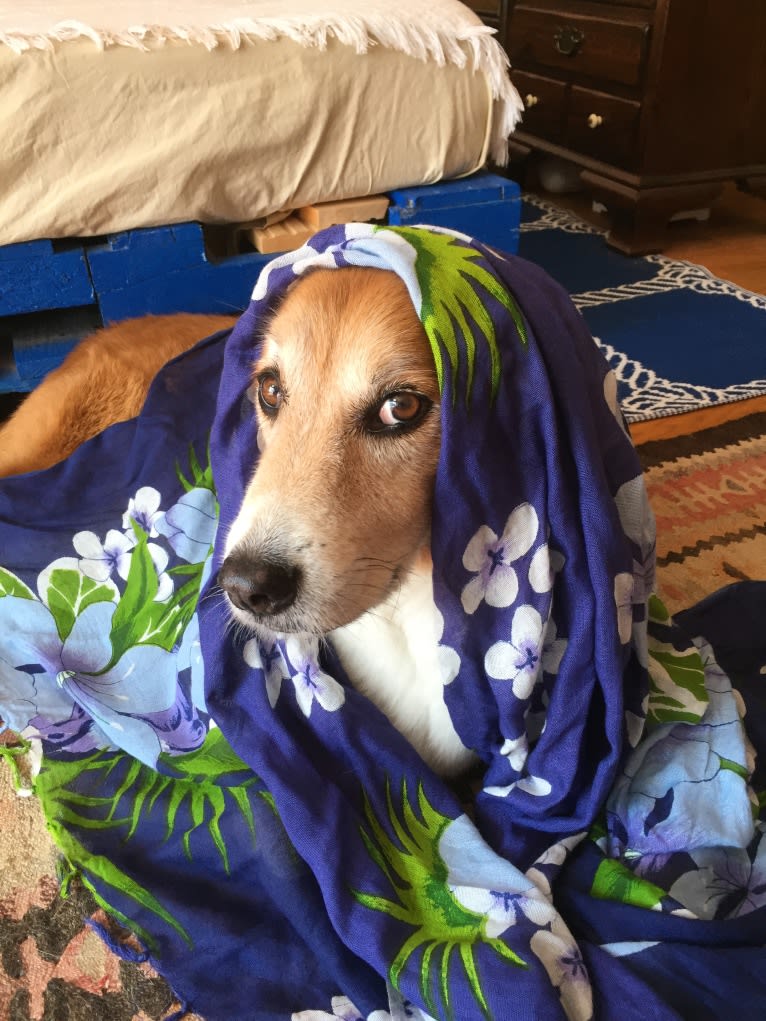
[391, 655]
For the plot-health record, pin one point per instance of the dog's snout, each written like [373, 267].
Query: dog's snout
[260, 587]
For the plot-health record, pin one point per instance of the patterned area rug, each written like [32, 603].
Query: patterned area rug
[54, 966]
[708, 491]
[677, 337]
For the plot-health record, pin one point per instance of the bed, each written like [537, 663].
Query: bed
[120, 116]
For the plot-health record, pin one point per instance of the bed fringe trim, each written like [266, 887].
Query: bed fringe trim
[475, 43]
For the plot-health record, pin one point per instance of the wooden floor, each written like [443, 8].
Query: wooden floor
[732, 245]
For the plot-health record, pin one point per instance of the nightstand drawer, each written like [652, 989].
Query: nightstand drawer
[609, 47]
[544, 103]
[603, 127]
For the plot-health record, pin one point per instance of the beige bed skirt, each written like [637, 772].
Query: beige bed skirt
[102, 138]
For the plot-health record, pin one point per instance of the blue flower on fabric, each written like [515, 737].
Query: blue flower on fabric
[728, 882]
[190, 657]
[190, 525]
[484, 882]
[25, 692]
[491, 558]
[518, 660]
[563, 962]
[75, 733]
[144, 509]
[311, 683]
[266, 655]
[59, 673]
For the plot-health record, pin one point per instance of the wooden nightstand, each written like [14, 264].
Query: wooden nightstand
[657, 101]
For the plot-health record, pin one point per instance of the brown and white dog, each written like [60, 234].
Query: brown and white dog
[333, 536]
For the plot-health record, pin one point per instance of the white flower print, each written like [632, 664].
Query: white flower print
[144, 509]
[502, 909]
[491, 559]
[516, 749]
[305, 252]
[636, 515]
[518, 660]
[101, 559]
[537, 786]
[342, 1010]
[310, 681]
[541, 570]
[553, 649]
[610, 396]
[563, 961]
[266, 655]
[634, 726]
[449, 664]
[164, 581]
[555, 856]
[623, 597]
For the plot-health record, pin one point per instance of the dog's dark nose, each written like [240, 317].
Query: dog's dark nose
[262, 587]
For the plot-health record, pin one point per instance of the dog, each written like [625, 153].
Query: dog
[333, 535]
[104, 380]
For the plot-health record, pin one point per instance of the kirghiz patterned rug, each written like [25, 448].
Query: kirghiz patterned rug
[54, 963]
[708, 491]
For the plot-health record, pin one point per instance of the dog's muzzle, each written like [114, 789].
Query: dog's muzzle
[259, 587]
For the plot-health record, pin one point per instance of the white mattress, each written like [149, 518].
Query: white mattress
[228, 112]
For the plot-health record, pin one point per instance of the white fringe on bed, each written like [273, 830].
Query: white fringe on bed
[442, 31]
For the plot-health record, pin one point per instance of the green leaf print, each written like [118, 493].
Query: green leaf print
[677, 690]
[421, 898]
[448, 275]
[204, 788]
[615, 881]
[69, 592]
[10, 585]
[201, 477]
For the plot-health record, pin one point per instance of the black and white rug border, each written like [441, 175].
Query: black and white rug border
[650, 395]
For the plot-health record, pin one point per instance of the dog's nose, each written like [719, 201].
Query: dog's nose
[262, 587]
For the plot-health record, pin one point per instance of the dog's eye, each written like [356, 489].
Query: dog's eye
[270, 394]
[404, 408]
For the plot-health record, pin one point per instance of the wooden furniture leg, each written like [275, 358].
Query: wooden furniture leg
[639, 216]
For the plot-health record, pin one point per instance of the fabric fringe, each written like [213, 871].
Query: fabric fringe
[475, 44]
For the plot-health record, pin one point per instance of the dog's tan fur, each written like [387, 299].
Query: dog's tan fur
[104, 380]
[351, 508]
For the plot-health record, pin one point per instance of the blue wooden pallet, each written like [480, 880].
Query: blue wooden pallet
[484, 206]
[161, 270]
[53, 293]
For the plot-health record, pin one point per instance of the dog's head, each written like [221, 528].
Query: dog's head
[339, 506]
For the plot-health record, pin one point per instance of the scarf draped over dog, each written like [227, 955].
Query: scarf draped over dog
[269, 836]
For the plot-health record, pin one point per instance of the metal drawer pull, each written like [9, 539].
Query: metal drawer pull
[595, 120]
[568, 40]
[530, 100]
